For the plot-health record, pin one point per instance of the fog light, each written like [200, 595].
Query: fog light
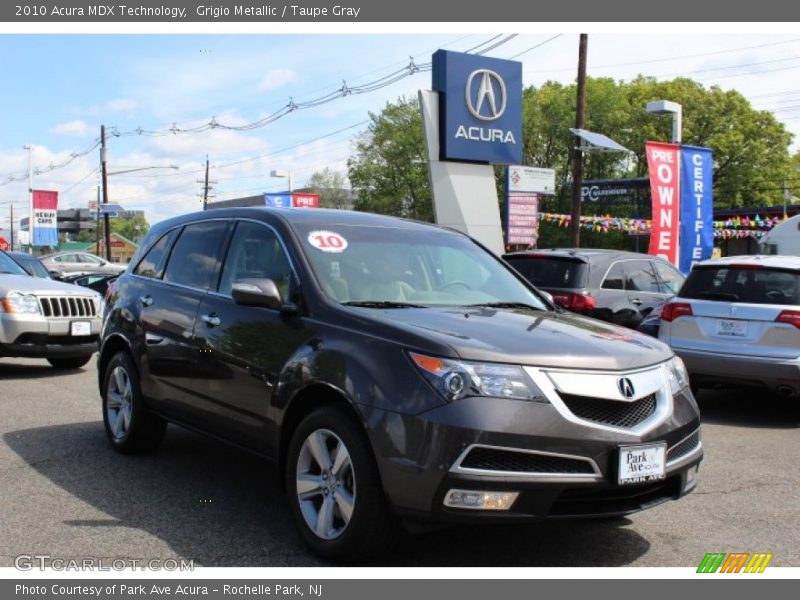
[480, 500]
[691, 474]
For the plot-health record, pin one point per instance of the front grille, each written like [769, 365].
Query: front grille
[684, 447]
[614, 413]
[496, 459]
[67, 306]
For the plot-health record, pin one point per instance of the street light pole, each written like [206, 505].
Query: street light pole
[664, 107]
[104, 177]
[29, 148]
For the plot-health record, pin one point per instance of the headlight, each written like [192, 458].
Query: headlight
[16, 302]
[678, 377]
[456, 379]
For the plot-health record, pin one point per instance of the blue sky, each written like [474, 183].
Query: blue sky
[58, 89]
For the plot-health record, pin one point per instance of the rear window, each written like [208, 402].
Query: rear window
[729, 283]
[551, 272]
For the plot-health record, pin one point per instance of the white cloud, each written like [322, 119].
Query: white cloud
[277, 78]
[77, 128]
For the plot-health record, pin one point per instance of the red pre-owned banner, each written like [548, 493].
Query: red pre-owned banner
[663, 162]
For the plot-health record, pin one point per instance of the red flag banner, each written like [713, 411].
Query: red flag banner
[45, 218]
[663, 162]
[305, 200]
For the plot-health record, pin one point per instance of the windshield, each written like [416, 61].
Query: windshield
[7, 265]
[395, 266]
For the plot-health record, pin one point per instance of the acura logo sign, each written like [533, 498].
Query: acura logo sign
[487, 100]
[625, 386]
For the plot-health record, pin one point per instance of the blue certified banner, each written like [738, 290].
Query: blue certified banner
[480, 107]
[278, 200]
[697, 206]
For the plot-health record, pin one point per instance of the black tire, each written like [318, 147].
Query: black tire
[695, 390]
[70, 363]
[372, 529]
[142, 430]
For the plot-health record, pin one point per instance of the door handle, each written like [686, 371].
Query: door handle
[636, 301]
[211, 320]
[146, 300]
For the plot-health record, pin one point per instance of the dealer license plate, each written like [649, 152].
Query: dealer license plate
[731, 328]
[80, 328]
[640, 464]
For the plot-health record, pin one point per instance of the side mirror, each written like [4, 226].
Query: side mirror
[256, 292]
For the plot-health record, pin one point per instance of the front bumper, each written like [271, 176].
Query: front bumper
[419, 460]
[736, 369]
[35, 336]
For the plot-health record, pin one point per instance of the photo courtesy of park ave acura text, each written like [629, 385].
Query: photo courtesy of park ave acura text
[446, 298]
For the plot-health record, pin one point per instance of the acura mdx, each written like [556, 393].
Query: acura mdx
[394, 370]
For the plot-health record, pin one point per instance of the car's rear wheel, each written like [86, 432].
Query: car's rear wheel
[70, 363]
[335, 491]
[130, 426]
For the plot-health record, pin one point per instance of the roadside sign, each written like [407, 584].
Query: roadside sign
[3, 244]
[531, 179]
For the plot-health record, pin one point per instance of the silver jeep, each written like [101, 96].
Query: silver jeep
[40, 318]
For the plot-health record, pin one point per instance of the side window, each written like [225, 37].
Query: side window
[614, 278]
[640, 276]
[152, 265]
[255, 253]
[671, 278]
[195, 257]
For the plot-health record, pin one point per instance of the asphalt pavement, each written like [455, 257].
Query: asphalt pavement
[66, 494]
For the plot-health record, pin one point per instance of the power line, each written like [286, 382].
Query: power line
[539, 45]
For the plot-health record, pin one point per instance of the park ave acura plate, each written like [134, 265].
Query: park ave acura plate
[643, 463]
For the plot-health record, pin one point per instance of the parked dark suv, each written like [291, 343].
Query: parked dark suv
[393, 370]
[611, 285]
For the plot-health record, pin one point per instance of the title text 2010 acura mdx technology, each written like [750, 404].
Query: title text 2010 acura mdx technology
[394, 370]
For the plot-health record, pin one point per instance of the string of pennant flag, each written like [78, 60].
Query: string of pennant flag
[733, 228]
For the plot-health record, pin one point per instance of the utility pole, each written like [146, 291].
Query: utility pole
[577, 159]
[206, 187]
[29, 148]
[12, 227]
[104, 178]
[786, 196]
[97, 223]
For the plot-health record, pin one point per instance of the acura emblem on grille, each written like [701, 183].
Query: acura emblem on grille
[625, 386]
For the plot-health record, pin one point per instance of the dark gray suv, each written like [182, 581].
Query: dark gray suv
[394, 370]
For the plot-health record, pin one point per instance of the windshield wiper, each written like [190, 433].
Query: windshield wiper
[718, 296]
[382, 304]
[505, 305]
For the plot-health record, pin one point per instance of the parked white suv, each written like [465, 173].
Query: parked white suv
[736, 321]
[41, 318]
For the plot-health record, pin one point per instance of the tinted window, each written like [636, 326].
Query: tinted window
[640, 276]
[195, 257]
[736, 284]
[551, 272]
[88, 258]
[615, 278]
[670, 278]
[152, 265]
[9, 266]
[255, 253]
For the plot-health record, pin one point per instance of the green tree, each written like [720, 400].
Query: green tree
[133, 228]
[330, 185]
[388, 172]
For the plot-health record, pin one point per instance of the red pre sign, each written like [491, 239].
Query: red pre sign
[305, 200]
[3, 244]
[663, 162]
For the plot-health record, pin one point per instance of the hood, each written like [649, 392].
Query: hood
[529, 337]
[41, 287]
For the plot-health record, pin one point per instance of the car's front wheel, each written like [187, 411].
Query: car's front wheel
[130, 426]
[334, 489]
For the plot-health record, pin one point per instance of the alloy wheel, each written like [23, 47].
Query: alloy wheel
[119, 395]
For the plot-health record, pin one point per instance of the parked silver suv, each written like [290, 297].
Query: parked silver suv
[41, 318]
[736, 321]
